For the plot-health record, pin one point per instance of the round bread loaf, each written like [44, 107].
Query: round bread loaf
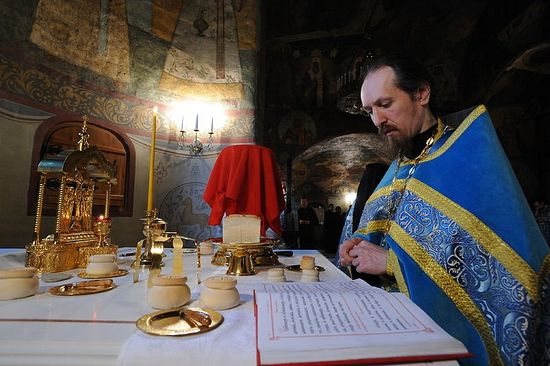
[220, 282]
[17, 287]
[310, 275]
[307, 262]
[275, 272]
[102, 258]
[276, 275]
[18, 272]
[169, 280]
[101, 268]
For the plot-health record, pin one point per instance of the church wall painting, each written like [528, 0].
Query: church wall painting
[115, 60]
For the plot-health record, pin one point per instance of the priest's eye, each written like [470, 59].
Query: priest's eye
[368, 112]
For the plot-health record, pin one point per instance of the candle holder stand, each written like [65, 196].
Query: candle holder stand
[153, 227]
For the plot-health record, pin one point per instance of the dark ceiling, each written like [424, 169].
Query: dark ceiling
[490, 52]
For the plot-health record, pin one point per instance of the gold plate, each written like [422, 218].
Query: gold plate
[169, 323]
[296, 268]
[120, 272]
[83, 288]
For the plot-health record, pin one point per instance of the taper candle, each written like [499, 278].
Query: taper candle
[197, 123]
[212, 125]
[181, 127]
[152, 162]
[177, 260]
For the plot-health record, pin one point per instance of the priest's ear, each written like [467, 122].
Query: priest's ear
[423, 94]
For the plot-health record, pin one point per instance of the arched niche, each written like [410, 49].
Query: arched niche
[58, 134]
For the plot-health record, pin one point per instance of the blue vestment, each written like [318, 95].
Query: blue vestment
[465, 247]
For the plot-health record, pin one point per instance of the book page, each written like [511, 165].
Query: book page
[345, 315]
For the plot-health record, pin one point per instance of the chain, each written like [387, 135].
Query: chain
[394, 203]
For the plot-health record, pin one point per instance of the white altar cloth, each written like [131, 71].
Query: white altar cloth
[99, 329]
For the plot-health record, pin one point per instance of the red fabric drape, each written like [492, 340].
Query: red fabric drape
[245, 180]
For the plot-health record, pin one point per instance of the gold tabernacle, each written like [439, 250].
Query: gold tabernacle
[77, 235]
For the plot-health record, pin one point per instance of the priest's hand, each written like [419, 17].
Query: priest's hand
[343, 251]
[369, 258]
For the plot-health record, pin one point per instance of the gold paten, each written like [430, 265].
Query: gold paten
[171, 323]
[119, 273]
[297, 268]
[77, 235]
[83, 288]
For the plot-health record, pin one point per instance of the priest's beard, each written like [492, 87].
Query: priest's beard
[399, 147]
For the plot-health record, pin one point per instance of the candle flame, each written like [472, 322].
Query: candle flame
[155, 109]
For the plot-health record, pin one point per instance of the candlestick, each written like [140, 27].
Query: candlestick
[152, 161]
[197, 123]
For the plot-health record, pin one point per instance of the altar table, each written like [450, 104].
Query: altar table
[99, 329]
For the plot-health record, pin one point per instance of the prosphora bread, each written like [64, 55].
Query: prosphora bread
[276, 275]
[102, 258]
[101, 264]
[18, 282]
[307, 262]
[310, 275]
[18, 272]
[168, 291]
[220, 282]
[219, 293]
[169, 280]
[241, 229]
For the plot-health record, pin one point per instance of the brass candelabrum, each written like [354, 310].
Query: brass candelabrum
[153, 227]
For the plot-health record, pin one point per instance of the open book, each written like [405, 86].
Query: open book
[349, 322]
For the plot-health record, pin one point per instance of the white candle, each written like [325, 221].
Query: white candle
[212, 125]
[197, 123]
[181, 127]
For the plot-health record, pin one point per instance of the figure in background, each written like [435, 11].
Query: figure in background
[307, 219]
[449, 222]
[369, 180]
[332, 229]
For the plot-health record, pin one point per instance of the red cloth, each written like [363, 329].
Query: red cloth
[245, 180]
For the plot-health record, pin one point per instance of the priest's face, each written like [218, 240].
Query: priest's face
[397, 114]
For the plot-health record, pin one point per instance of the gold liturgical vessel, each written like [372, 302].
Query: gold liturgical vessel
[77, 234]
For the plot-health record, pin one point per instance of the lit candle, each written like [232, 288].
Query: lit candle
[197, 123]
[152, 161]
[212, 125]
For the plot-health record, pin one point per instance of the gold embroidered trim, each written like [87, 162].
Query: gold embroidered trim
[384, 191]
[451, 288]
[389, 263]
[545, 269]
[487, 238]
[372, 226]
[397, 273]
[455, 135]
